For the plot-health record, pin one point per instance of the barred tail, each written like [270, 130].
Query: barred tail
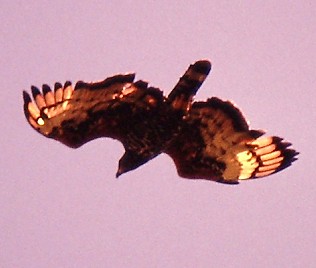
[182, 94]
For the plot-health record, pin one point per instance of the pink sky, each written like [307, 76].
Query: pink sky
[64, 208]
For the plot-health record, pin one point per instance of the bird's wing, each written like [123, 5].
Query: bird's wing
[216, 144]
[77, 115]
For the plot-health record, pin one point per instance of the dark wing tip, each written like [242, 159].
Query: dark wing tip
[67, 84]
[80, 84]
[289, 157]
[46, 88]
[57, 86]
[26, 97]
[35, 91]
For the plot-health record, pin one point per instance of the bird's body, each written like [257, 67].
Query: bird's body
[207, 140]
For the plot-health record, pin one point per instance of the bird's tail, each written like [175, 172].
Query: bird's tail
[182, 94]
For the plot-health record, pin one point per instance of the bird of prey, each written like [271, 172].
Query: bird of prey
[208, 140]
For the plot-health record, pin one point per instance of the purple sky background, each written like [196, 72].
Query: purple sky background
[64, 208]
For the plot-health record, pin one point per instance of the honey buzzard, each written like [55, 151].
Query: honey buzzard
[206, 139]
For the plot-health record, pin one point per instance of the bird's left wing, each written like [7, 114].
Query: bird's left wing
[77, 115]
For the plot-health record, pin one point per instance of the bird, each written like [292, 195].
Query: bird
[208, 140]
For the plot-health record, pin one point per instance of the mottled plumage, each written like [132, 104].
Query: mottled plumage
[207, 140]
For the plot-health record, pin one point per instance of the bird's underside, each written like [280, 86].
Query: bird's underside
[207, 140]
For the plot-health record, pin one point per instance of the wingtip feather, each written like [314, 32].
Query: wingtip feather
[272, 155]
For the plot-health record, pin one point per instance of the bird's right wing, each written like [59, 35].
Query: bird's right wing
[216, 144]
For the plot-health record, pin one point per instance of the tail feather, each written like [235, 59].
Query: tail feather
[181, 95]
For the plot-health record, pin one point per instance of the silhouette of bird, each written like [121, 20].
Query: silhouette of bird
[206, 139]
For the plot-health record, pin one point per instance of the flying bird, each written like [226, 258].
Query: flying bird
[206, 139]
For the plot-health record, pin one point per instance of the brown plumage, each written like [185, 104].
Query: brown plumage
[207, 140]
